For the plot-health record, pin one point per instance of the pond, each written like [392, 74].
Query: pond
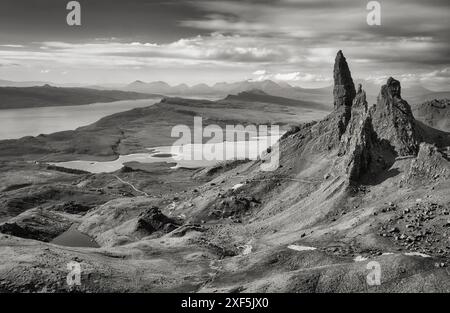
[74, 238]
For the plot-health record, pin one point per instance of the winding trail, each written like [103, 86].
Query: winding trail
[131, 185]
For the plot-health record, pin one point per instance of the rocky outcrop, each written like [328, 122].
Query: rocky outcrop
[393, 120]
[430, 164]
[344, 88]
[152, 220]
[357, 145]
[434, 113]
[368, 140]
[373, 138]
[328, 132]
[38, 224]
[361, 148]
[360, 100]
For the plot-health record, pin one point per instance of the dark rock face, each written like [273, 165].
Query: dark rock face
[343, 92]
[357, 144]
[374, 138]
[344, 88]
[72, 207]
[360, 99]
[393, 120]
[363, 152]
[368, 140]
[233, 206]
[152, 220]
[328, 132]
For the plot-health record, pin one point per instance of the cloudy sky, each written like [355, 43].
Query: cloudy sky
[190, 41]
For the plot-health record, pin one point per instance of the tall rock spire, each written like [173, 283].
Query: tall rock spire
[344, 88]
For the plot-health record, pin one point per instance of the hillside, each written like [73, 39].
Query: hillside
[434, 113]
[44, 96]
[364, 188]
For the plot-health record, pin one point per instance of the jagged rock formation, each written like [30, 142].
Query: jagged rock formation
[375, 137]
[343, 93]
[393, 120]
[328, 132]
[358, 140]
[360, 99]
[344, 88]
[360, 145]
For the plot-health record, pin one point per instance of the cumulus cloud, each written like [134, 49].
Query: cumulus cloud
[284, 40]
[259, 72]
[216, 48]
[291, 77]
[12, 46]
[315, 29]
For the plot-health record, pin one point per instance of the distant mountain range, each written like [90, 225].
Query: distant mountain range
[223, 89]
[413, 93]
[44, 96]
[256, 95]
[9, 83]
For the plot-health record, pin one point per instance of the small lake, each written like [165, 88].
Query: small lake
[17, 123]
[74, 238]
[188, 156]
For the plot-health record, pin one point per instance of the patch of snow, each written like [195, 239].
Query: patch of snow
[237, 186]
[301, 248]
[247, 249]
[360, 258]
[423, 255]
[387, 253]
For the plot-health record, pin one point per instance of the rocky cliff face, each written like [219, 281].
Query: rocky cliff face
[373, 138]
[393, 120]
[360, 145]
[344, 88]
[328, 132]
